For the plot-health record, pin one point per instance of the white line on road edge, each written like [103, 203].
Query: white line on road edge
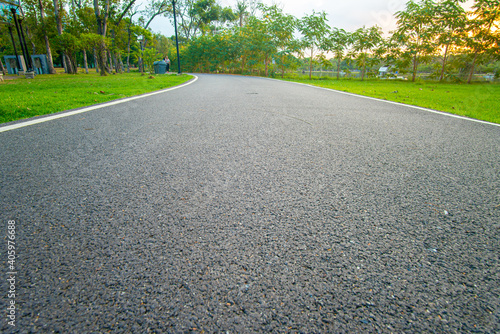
[396, 103]
[79, 111]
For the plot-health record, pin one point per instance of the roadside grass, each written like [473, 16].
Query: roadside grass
[478, 100]
[47, 94]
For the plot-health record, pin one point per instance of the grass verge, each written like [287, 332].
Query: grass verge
[47, 94]
[479, 100]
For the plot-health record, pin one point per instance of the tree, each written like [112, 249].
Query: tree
[102, 25]
[281, 28]
[154, 9]
[450, 20]
[483, 32]
[363, 41]
[69, 44]
[200, 16]
[46, 38]
[206, 12]
[241, 12]
[162, 44]
[338, 42]
[130, 31]
[58, 14]
[149, 56]
[415, 32]
[91, 42]
[259, 43]
[313, 28]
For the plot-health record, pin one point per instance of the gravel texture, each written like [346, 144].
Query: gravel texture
[240, 204]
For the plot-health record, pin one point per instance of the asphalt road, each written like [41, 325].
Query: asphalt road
[240, 204]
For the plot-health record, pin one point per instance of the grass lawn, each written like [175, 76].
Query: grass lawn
[46, 94]
[478, 100]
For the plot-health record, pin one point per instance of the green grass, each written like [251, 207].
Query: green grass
[479, 100]
[46, 94]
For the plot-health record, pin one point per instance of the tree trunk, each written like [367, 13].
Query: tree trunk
[444, 62]
[101, 30]
[414, 68]
[71, 63]
[338, 68]
[101, 55]
[122, 68]
[85, 63]
[110, 62]
[33, 46]
[116, 57]
[96, 60]
[471, 74]
[364, 68]
[265, 65]
[50, 64]
[311, 64]
[65, 66]
[282, 66]
[57, 16]
[128, 48]
[128, 59]
[2, 68]
[105, 18]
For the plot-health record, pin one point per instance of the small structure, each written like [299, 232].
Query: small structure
[385, 71]
[12, 64]
[40, 65]
[389, 72]
[160, 67]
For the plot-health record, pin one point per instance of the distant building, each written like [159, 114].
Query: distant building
[385, 71]
[389, 72]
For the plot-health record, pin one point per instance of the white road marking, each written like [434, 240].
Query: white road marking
[79, 111]
[396, 103]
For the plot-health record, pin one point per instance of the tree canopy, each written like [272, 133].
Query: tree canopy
[251, 37]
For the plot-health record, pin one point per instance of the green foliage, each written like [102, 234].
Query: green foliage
[150, 56]
[89, 41]
[435, 36]
[365, 40]
[69, 44]
[415, 32]
[483, 32]
[314, 29]
[338, 42]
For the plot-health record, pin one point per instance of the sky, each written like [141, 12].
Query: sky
[346, 14]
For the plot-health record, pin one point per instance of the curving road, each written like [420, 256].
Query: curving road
[240, 204]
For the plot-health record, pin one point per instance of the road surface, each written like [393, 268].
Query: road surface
[239, 204]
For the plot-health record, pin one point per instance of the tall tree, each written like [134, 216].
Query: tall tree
[483, 32]
[50, 63]
[415, 32]
[69, 44]
[450, 21]
[364, 40]
[102, 25]
[338, 42]
[281, 28]
[313, 28]
[259, 42]
[241, 11]
[58, 15]
[155, 8]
